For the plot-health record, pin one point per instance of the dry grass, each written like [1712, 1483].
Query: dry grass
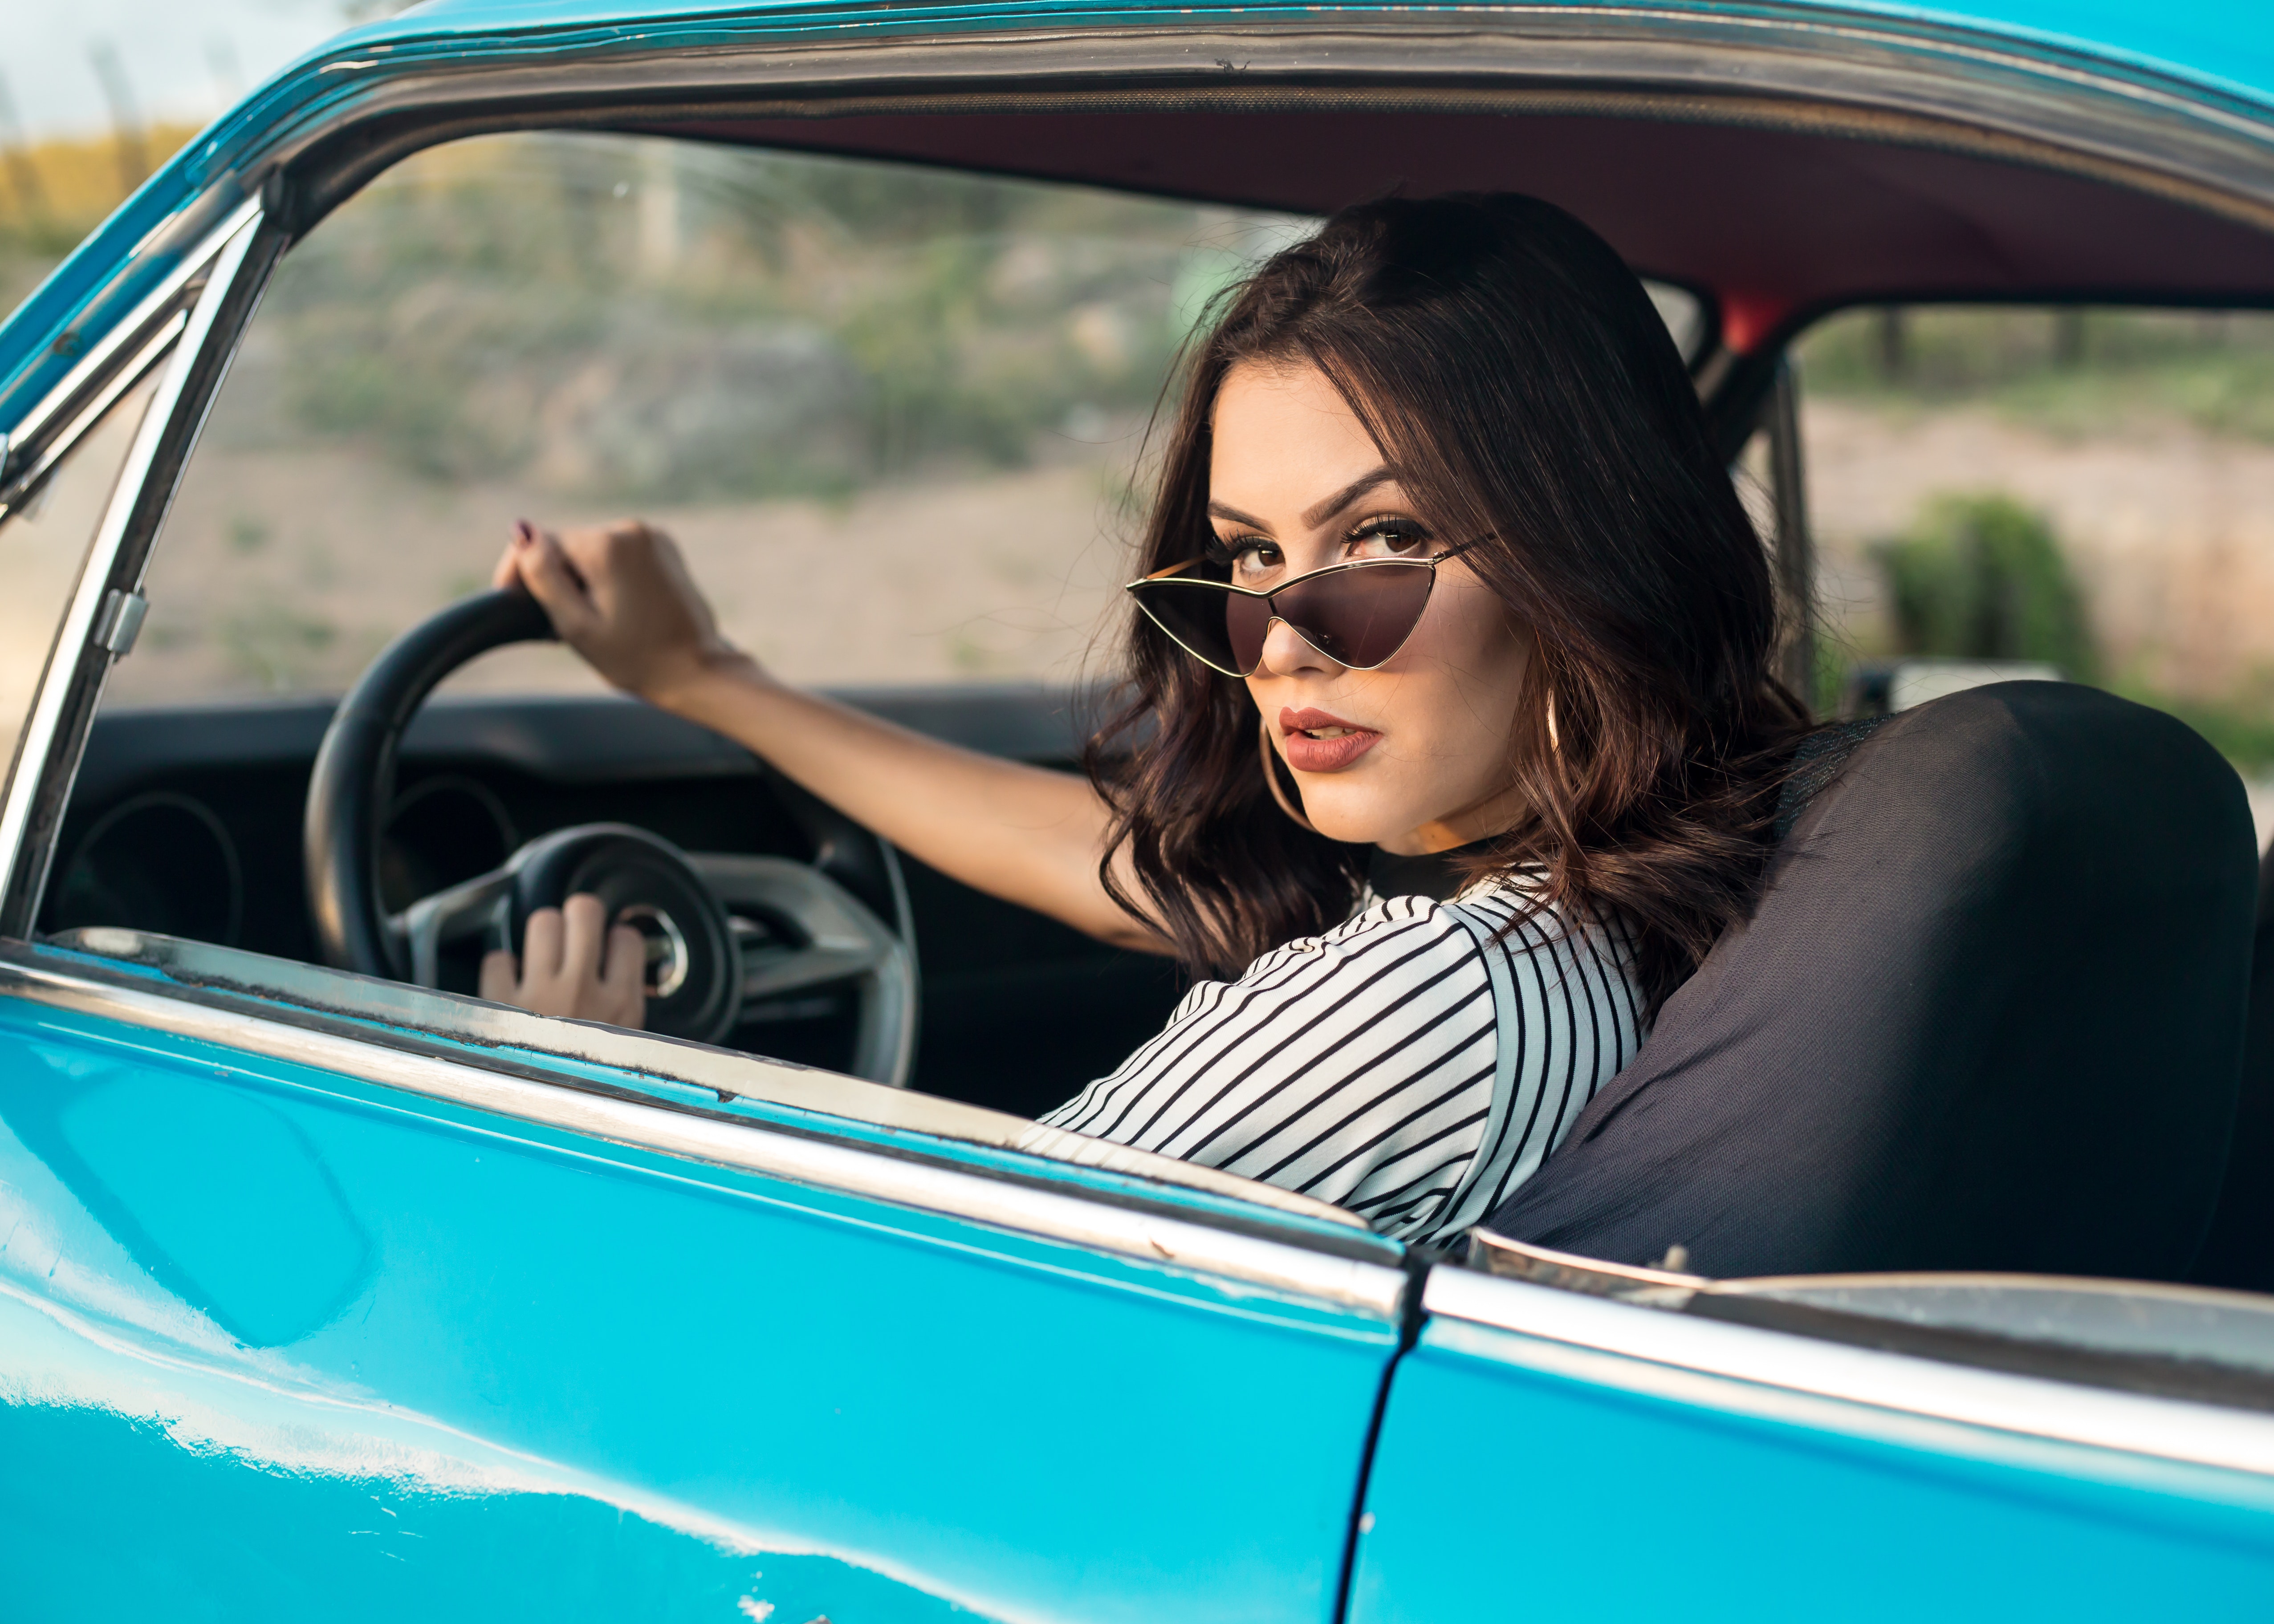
[54, 192]
[64, 187]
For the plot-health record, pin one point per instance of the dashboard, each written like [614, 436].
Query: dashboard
[187, 821]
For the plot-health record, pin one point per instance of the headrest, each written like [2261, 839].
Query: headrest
[1988, 1014]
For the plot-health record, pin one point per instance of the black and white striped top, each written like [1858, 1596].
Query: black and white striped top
[1415, 1065]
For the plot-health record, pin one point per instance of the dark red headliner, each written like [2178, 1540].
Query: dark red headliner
[1772, 221]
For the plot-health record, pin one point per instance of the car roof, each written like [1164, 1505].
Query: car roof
[2226, 43]
[1782, 158]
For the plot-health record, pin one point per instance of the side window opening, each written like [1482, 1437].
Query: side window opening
[891, 414]
[2086, 490]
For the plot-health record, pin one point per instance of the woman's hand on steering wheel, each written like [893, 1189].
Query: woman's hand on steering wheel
[620, 596]
[572, 963]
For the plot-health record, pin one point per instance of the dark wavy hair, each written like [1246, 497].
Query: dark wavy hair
[1518, 380]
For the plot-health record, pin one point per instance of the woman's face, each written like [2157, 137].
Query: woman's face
[1413, 755]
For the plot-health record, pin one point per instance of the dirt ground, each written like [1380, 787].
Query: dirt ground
[285, 571]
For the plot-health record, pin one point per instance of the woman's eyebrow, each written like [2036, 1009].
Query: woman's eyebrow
[1318, 513]
[1219, 510]
[1313, 517]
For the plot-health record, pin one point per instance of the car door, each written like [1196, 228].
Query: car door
[319, 1297]
[301, 1316]
[1552, 1453]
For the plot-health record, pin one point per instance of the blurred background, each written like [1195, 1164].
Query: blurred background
[96, 93]
[896, 416]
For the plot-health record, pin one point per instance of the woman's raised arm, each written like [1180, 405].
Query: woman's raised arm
[622, 597]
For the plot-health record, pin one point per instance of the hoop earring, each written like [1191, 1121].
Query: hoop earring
[1554, 740]
[1271, 775]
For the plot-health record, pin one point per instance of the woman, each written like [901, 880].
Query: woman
[1464, 777]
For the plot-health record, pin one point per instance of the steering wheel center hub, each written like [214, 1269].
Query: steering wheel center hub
[667, 961]
[694, 970]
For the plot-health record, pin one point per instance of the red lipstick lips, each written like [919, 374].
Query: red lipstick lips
[1318, 742]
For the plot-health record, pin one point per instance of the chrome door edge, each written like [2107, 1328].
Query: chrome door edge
[224, 252]
[1281, 1267]
[396, 1013]
[1654, 1346]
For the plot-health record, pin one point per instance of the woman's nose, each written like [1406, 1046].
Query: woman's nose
[1284, 653]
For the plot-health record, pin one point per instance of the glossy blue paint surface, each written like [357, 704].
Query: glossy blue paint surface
[275, 1344]
[238, 1540]
[1502, 1491]
[2212, 50]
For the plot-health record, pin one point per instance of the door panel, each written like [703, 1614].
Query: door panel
[273, 1339]
[1523, 1476]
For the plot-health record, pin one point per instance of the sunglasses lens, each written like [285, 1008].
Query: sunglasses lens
[1357, 617]
[1248, 621]
[1199, 616]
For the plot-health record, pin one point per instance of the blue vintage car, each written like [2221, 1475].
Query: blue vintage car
[327, 1290]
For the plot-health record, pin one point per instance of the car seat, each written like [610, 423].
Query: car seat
[2240, 1250]
[1987, 1015]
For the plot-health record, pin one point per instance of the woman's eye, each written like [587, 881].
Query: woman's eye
[1387, 538]
[1254, 557]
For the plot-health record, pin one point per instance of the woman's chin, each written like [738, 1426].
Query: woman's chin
[1357, 820]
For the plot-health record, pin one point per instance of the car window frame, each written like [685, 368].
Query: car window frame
[184, 331]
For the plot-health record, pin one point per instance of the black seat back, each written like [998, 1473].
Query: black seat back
[2239, 1252]
[1987, 1015]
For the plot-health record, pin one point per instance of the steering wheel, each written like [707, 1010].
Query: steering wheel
[722, 930]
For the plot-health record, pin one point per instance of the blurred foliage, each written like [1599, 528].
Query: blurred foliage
[634, 319]
[276, 644]
[52, 193]
[1979, 577]
[1837, 653]
[2070, 372]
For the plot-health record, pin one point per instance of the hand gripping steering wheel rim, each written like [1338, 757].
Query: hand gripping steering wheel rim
[353, 782]
[815, 930]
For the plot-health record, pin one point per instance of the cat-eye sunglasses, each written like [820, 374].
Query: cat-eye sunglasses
[1359, 615]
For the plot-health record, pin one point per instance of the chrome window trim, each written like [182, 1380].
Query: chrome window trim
[55, 448]
[379, 1007]
[1764, 1372]
[1329, 1276]
[1874, 77]
[220, 256]
[105, 351]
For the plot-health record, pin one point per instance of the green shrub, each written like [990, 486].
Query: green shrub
[1979, 577]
